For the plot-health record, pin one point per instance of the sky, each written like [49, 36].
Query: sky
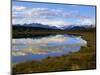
[52, 14]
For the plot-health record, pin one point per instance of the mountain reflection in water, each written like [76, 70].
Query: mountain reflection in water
[25, 49]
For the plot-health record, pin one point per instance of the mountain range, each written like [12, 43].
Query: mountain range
[67, 27]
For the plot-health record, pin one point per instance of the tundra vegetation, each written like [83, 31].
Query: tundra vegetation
[82, 60]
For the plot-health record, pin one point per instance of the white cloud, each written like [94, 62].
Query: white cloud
[23, 15]
[57, 23]
[44, 21]
[87, 22]
[19, 8]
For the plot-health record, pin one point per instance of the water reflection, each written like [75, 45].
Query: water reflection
[40, 48]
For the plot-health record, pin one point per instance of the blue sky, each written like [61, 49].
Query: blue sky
[52, 14]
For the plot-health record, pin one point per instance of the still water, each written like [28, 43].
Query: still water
[25, 49]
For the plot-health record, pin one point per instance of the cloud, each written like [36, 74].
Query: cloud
[44, 21]
[46, 12]
[46, 16]
[88, 22]
[56, 22]
[19, 8]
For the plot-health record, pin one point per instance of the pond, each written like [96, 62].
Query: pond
[26, 49]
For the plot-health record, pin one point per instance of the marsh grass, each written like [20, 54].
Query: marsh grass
[84, 59]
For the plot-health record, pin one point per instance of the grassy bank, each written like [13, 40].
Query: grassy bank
[81, 60]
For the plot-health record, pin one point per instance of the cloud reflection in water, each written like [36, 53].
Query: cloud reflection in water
[45, 45]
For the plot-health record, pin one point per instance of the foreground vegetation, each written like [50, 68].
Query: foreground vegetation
[81, 60]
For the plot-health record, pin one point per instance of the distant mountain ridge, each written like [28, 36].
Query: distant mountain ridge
[48, 27]
[37, 26]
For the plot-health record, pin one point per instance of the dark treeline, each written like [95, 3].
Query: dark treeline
[28, 31]
[27, 28]
[30, 28]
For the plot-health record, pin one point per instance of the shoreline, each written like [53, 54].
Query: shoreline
[83, 59]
